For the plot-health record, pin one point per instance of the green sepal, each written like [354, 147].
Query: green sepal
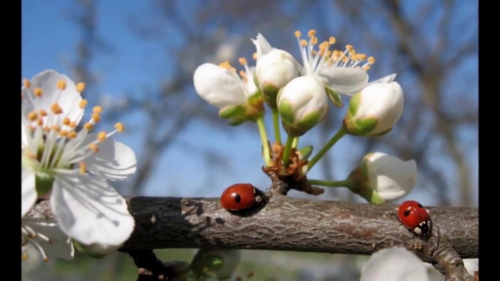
[231, 111]
[305, 152]
[237, 121]
[334, 97]
[85, 250]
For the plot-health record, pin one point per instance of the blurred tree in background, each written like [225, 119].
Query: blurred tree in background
[431, 45]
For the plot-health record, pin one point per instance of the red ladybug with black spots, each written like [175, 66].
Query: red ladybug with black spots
[415, 217]
[240, 197]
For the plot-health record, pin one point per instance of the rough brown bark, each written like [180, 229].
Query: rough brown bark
[286, 224]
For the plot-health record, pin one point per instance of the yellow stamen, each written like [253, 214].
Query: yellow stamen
[46, 259]
[97, 109]
[349, 47]
[38, 92]
[46, 129]
[72, 134]
[66, 121]
[56, 128]
[297, 34]
[371, 60]
[88, 126]
[30, 155]
[42, 113]
[40, 122]
[96, 117]
[94, 147]
[119, 127]
[366, 67]
[314, 41]
[83, 103]
[72, 124]
[361, 57]
[61, 85]
[24, 257]
[242, 61]
[63, 134]
[311, 33]
[227, 65]
[303, 43]
[332, 40]
[83, 167]
[80, 87]
[254, 56]
[56, 109]
[26, 83]
[101, 136]
[32, 116]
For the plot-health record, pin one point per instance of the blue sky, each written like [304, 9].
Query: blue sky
[47, 38]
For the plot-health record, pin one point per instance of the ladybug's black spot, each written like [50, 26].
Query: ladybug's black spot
[406, 213]
[420, 206]
[237, 198]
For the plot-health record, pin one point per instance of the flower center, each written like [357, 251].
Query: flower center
[315, 60]
[247, 85]
[53, 142]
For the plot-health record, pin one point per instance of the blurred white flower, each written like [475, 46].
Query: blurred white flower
[394, 264]
[383, 177]
[376, 109]
[73, 167]
[472, 265]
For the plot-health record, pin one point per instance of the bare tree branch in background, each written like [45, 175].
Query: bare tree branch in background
[427, 118]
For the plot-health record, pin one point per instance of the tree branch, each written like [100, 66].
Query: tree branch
[285, 224]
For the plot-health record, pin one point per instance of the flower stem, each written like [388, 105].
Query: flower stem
[288, 149]
[263, 138]
[295, 142]
[276, 125]
[340, 133]
[344, 183]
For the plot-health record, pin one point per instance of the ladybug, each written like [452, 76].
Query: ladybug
[415, 217]
[241, 196]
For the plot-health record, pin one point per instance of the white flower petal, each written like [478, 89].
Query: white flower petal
[218, 86]
[68, 99]
[394, 264]
[60, 247]
[114, 161]
[472, 265]
[263, 47]
[24, 137]
[385, 79]
[90, 211]
[389, 176]
[29, 194]
[344, 80]
[30, 266]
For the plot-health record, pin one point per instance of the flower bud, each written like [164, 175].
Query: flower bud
[375, 110]
[237, 98]
[302, 104]
[381, 177]
[273, 71]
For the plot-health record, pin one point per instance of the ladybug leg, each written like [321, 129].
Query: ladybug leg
[417, 230]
